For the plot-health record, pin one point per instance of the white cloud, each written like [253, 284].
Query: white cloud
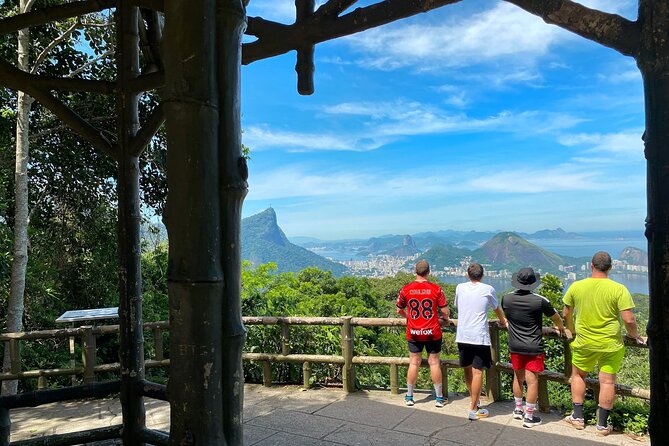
[536, 181]
[260, 138]
[301, 181]
[503, 32]
[623, 143]
[389, 121]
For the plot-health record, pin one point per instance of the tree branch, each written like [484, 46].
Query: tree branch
[52, 44]
[607, 29]
[90, 62]
[29, 5]
[275, 39]
[53, 13]
[148, 131]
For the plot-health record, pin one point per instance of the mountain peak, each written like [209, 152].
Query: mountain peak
[510, 250]
[263, 241]
[265, 226]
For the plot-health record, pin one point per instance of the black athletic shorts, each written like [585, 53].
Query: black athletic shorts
[430, 346]
[477, 356]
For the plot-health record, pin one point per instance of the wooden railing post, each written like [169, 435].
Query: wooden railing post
[73, 361]
[158, 343]
[266, 374]
[493, 387]
[285, 345]
[285, 338]
[348, 370]
[444, 381]
[88, 355]
[41, 381]
[544, 403]
[567, 358]
[306, 375]
[394, 380]
[15, 356]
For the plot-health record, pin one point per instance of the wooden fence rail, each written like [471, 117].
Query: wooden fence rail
[348, 360]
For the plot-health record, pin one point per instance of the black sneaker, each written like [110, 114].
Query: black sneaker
[518, 413]
[531, 422]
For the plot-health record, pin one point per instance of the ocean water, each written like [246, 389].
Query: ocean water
[635, 283]
[587, 247]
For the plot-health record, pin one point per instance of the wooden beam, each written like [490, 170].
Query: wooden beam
[143, 137]
[16, 79]
[334, 7]
[146, 82]
[129, 219]
[72, 120]
[305, 53]
[275, 39]
[53, 13]
[610, 30]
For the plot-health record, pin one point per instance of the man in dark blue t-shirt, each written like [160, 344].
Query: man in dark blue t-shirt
[524, 311]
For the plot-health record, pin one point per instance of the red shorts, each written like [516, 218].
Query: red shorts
[533, 363]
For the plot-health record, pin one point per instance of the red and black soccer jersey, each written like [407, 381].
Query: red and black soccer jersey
[422, 302]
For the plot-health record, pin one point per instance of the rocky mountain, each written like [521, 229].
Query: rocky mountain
[635, 256]
[263, 241]
[510, 251]
[406, 249]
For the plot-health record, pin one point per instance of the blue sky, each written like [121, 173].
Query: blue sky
[476, 116]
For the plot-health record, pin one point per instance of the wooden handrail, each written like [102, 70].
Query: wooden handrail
[347, 360]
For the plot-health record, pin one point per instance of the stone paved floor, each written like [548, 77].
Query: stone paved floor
[293, 417]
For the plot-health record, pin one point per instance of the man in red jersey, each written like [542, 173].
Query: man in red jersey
[420, 302]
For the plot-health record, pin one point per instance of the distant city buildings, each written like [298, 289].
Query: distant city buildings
[386, 265]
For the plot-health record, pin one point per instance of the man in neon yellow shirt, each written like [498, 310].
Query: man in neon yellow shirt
[599, 304]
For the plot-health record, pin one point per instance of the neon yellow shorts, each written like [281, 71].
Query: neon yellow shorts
[609, 362]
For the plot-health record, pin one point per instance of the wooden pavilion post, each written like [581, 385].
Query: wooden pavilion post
[207, 184]
[653, 62]
[130, 277]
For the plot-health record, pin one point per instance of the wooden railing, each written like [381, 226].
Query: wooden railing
[348, 360]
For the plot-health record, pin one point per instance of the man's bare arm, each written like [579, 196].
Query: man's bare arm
[630, 325]
[568, 314]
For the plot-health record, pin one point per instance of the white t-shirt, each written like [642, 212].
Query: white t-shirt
[473, 300]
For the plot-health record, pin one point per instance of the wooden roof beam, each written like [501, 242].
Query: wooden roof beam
[16, 79]
[275, 38]
[610, 30]
[54, 13]
[305, 53]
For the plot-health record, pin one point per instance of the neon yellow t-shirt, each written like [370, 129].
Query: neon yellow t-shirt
[597, 305]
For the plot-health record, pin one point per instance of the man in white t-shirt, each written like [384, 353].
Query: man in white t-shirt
[473, 299]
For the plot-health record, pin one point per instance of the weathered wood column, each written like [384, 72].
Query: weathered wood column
[207, 184]
[653, 61]
[129, 218]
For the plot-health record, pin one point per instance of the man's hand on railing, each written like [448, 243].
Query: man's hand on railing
[446, 322]
[502, 323]
[565, 333]
[639, 340]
